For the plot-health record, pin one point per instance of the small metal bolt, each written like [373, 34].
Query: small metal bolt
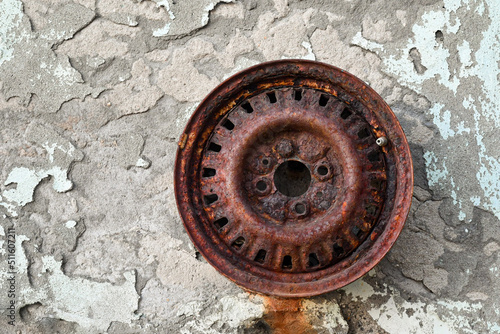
[381, 141]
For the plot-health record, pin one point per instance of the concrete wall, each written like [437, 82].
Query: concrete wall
[95, 93]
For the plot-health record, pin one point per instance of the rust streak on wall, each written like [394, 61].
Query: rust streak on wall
[285, 315]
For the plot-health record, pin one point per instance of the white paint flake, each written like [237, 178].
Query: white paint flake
[201, 11]
[442, 120]
[435, 173]
[488, 174]
[358, 39]
[90, 304]
[208, 8]
[24, 180]
[162, 31]
[10, 11]
[166, 28]
[310, 54]
[464, 53]
[70, 224]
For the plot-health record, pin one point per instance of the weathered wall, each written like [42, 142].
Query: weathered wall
[94, 95]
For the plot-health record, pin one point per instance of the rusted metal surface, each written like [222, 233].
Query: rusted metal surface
[281, 183]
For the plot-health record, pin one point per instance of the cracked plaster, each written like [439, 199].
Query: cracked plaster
[94, 95]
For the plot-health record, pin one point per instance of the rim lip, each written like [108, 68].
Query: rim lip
[361, 266]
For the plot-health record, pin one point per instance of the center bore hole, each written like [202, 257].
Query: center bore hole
[292, 178]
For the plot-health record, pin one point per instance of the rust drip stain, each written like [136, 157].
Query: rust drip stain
[286, 316]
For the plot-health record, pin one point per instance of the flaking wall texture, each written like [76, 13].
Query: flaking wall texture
[94, 95]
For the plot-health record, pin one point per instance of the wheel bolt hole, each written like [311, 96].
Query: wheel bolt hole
[265, 162]
[319, 194]
[322, 170]
[261, 185]
[300, 208]
[209, 172]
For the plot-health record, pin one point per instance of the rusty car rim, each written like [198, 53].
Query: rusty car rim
[293, 178]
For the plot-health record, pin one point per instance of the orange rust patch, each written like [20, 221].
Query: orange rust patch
[286, 316]
[182, 141]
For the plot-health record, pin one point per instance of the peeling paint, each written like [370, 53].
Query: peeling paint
[176, 78]
[358, 39]
[137, 94]
[90, 304]
[434, 59]
[443, 316]
[433, 55]
[27, 180]
[233, 311]
[488, 174]
[435, 173]
[197, 16]
[117, 80]
[61, 155]
[23, 53]
[164, 31]
[443, 121]
[10, 11]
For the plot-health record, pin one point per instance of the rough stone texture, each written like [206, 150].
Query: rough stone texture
[93, 98]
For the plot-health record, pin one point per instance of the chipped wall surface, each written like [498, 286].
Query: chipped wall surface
[93, 98]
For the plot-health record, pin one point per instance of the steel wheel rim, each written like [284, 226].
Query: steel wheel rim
[239, 264]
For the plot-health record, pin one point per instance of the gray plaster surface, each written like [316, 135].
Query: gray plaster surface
[94, 95]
